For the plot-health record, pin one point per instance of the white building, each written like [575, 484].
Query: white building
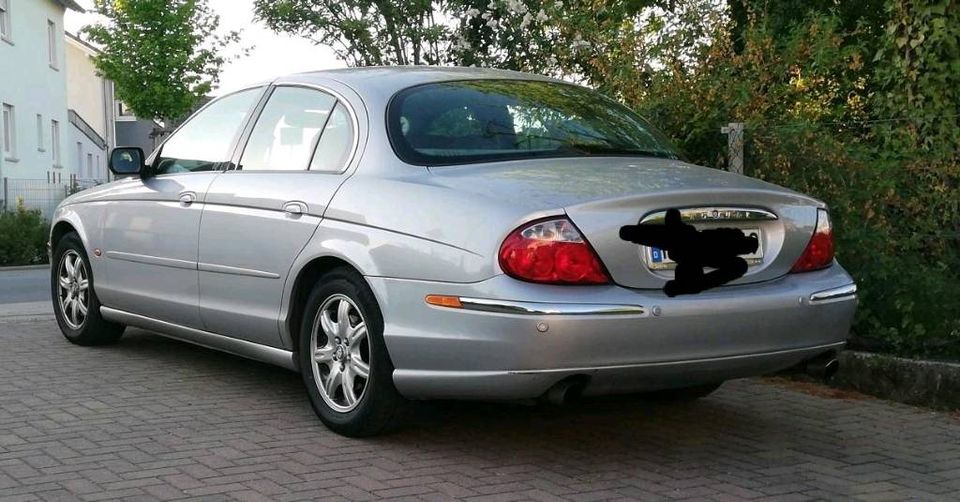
[92, 115]
[34, 129]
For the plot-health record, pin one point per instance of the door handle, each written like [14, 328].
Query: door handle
[295, 208]
[187, 198]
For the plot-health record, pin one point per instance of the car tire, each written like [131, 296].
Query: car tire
[334, 357]
[683, 394]
[75, 302]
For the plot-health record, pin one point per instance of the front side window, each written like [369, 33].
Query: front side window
[204, 142]
[288, 130]
[488, 120]
[9, 126]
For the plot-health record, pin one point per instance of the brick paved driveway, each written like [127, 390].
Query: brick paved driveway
[156, 419]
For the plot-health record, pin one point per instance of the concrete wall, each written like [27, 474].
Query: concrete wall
[32, 86]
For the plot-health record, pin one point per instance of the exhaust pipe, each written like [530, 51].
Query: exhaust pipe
[823, 367]
[565, 391]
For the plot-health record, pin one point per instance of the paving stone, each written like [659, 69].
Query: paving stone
[154, 419]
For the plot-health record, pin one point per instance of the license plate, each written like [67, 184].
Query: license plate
[658, 259]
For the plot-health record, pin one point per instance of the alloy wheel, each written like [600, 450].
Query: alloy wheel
[73, 284]
[341, 353]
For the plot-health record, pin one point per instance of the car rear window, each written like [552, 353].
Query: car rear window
[471, 121]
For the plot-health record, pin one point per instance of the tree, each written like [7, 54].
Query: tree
[163, 56]
[367, 32]
[575, 39]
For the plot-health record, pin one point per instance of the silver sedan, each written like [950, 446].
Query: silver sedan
[399, 234]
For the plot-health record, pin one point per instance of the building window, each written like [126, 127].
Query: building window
[79, 158]
[124, 113]
[55, 142]
[90, 165]
[40, 143]
[9, 132]
[52, 43]
[5, 29]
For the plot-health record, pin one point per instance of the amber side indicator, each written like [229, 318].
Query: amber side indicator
[444, 301]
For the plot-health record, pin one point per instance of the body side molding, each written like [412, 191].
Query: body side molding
[243, 348]
[224, 269]
[152, 260]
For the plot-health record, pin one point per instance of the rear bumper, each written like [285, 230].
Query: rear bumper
[515, 340]
[525, 384]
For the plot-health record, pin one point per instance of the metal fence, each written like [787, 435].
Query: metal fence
[39, 193]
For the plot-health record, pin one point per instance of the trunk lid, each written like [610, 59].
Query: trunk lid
[601, 194]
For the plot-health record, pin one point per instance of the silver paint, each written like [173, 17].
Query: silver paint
[219, 270]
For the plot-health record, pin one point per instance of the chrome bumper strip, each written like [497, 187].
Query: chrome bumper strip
[540, 308]
[841, 293]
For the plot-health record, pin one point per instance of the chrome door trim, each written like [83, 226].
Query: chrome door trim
[539, 308]
[834, 294]
[237, 347]
[152, 260]
[225, 269]
[713, 213]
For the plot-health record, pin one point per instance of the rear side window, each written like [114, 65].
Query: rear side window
[297, 126]
[487, 120]
[336, 143]
[204, 142]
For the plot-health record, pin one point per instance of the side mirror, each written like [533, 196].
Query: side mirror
[126, 161]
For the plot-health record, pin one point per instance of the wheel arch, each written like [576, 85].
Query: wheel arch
[59, 229]
[67, 220]
[301, 286]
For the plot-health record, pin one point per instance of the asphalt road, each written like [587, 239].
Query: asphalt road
[154, 419]
[23, 286]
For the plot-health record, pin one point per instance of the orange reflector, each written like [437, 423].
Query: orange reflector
[444, 301]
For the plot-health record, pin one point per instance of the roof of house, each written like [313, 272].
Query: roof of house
[87, 46]
[71, 4]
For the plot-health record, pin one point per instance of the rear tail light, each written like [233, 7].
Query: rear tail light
[553, 252]
[819, 251]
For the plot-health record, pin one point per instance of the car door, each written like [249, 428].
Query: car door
[151, 226]
[259, 216]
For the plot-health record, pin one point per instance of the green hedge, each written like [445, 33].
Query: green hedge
[23, 237]
[868, 125]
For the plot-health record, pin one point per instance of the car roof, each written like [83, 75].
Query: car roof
[387, 80]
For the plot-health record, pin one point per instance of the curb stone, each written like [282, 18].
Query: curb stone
[930, 384]
[26, 311]
[24, 267]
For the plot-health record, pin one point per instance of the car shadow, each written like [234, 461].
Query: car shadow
[610, 426]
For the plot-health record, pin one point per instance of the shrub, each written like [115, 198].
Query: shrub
[23, 237]
[871, 128]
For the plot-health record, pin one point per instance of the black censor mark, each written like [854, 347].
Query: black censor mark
[693, 250]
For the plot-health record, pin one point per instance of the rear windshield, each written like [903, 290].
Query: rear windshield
[488, 120]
